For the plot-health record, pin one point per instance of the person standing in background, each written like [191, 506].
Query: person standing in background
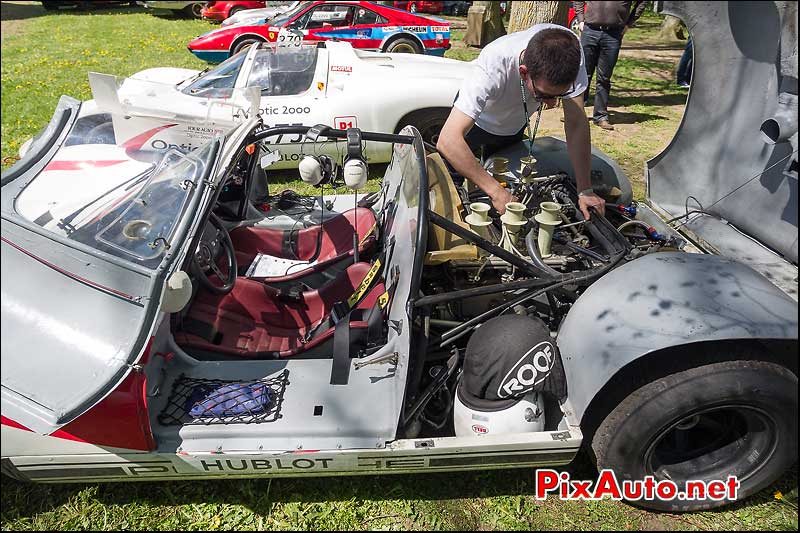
[602, 25]
[685, 66]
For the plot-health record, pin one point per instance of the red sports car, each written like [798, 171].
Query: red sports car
[416, 6]
[219, 11]
[572, 19]
[365, 25]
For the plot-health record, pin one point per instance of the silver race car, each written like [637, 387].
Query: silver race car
[166, 314]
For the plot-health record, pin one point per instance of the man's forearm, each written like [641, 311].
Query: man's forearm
[579, 149]
[463, 161]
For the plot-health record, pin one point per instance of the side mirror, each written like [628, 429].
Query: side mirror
[177, 292]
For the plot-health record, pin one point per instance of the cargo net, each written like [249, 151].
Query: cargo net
[214, 401]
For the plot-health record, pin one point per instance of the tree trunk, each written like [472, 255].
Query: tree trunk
[671, 28]
[526, 14]
[484, 23]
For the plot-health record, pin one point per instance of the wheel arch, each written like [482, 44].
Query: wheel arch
[401, 122]
[242, 37]
[674, 359]
[390, 39]
[652, 316]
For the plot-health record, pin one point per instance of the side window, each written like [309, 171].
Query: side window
[365, 16]
[330, 16]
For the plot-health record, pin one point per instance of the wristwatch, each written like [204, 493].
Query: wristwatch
[586, 192]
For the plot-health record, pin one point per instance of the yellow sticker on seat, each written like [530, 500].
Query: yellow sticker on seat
[365, 283]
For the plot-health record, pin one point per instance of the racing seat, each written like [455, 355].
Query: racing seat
[287, 255]
[255, 320]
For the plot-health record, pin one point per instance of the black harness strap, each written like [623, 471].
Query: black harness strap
[340, 369]
[288, 245]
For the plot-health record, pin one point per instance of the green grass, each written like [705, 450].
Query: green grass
[47, 55]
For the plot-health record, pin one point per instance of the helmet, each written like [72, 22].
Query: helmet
[524, 415]
[502, 382]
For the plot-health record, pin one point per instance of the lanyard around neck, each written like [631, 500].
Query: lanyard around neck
[531, 136]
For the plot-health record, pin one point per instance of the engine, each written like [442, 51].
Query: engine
[514, 277]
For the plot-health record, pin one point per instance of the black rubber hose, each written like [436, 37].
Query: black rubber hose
[533, 252]
[458, 331]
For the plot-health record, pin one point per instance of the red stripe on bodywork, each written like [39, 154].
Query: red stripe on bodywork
[83, 165]
[11, 423]
[74, 276]
[136, 143]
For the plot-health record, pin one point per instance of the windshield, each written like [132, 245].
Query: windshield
[122, 201]
[283, 71]
[282, 19]
[218, 82]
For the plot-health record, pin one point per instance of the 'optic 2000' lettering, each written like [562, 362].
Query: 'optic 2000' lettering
[244, 114]
[161, 146]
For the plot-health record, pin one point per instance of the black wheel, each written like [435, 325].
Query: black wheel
[244, 44]
[574, 24]
[403, 45]
[234, 10]
[412, 7]
[194, 10]
[429, 122]
[734, 418]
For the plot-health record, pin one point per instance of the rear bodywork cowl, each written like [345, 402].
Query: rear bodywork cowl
[734, 155]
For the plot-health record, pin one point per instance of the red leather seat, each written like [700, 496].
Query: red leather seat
[253, 322]
[319, 245]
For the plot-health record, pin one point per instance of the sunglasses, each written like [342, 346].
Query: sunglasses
[541, 96]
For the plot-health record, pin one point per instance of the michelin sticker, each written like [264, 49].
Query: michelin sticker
[531, 369]
[416, 29]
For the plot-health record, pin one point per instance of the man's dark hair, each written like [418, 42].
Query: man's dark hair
[553, 55]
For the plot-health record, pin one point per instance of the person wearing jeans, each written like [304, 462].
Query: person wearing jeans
[602, 26]
[685, 65]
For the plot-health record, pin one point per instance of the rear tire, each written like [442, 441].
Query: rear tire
[429, 122]
[194, 10]
[412, 7]
[403, 45]
[234, 10]
[706, 423]
[574, 25]
[245, 44]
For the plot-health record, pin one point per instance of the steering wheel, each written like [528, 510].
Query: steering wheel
[205, 260]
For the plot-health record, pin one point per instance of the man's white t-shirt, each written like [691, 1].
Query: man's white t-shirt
[491, 95]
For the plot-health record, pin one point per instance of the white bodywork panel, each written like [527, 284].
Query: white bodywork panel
[366, 90]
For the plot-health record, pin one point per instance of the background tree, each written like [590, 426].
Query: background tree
[671, 28]
[526, 14]
[484, 23]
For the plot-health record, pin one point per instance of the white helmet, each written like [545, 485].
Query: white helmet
[502, 384]
[527, 414]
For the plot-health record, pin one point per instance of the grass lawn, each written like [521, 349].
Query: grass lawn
[45, 55]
